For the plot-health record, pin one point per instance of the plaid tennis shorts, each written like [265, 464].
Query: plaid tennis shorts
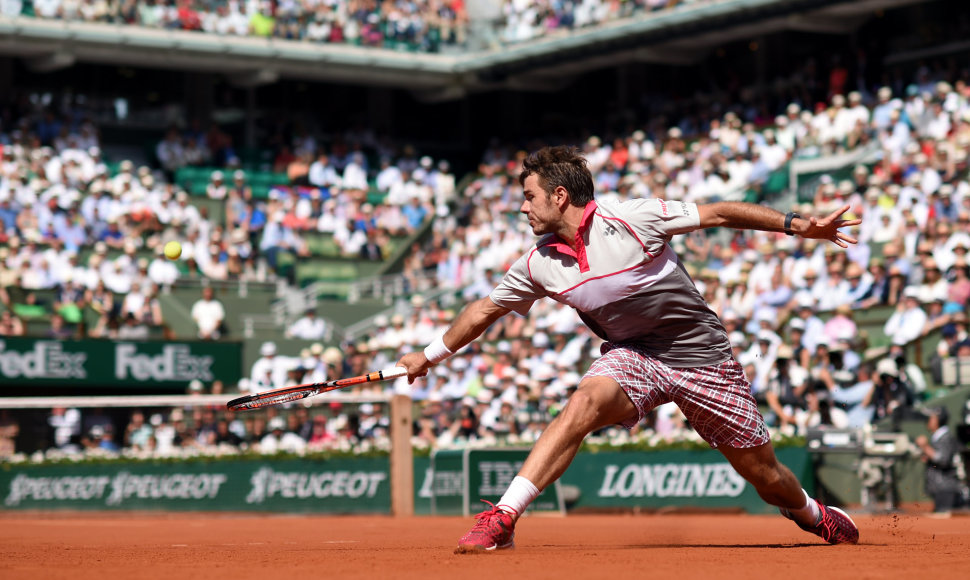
[716, 399]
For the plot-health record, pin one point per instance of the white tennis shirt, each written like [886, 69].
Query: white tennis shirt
[626, 282]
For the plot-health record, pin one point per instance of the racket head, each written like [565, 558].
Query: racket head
[299, 392]
[275, 397]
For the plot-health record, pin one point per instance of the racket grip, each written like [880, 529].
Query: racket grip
[395, 372]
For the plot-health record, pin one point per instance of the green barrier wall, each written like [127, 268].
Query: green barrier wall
[422, 485]
[344, 486]
[461, 478]
[661, 479]
[108, 363]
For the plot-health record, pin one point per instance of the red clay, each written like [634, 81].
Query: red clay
[720, 547]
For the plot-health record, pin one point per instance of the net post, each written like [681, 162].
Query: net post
[402, 458]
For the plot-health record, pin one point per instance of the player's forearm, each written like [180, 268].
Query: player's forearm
[741, 215]
[474, 319]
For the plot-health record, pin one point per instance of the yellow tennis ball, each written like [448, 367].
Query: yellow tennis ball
[173, 250]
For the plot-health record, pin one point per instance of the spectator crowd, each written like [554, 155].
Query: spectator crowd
[424, 25]
[79, 238]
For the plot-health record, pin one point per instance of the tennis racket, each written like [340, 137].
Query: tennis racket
[298, 392]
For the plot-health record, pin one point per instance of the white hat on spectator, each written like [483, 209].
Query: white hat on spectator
[675, 133]
[426, 162]
[277, 424]
[459, 364]
[887, 366]
[126, 165]
[737, 338]
[332, 356]
[484, 396]
[195, 385]
[380, 320]
[467, 402]
[521, 379]
[911, 292]
[796, 324]
[855, 97]
[239, 174]
[267, 349]
[885, 93]
[490, 381]
[366, 408]
[766, 315]
[765, 336]
[94, 151]
[544, 372]
[243, 385]
[571, 379]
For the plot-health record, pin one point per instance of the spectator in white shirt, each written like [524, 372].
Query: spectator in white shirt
[906, 324]
[209, 314]
[322, 173]
[161, 270]
[270, 370]
[279, 439]
[308, 327]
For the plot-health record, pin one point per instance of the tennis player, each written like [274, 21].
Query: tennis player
[612, 262]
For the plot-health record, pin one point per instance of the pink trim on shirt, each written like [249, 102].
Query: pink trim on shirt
[528, 264]
[588, 212]
[567, 290]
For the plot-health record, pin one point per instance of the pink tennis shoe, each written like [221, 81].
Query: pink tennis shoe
[835, 526]
[494, 530]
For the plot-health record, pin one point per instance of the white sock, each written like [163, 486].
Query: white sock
[518, 496]
[809, 510]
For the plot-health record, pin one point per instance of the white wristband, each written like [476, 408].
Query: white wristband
[437, 351]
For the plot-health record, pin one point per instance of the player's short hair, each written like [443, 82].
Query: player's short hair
[560, 166]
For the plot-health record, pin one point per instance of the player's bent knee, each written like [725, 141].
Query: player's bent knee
[592, 407]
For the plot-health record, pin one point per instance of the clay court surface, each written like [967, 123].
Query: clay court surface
[720, 547]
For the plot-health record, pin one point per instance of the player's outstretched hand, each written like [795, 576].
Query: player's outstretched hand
[827, 228]
[416, 364]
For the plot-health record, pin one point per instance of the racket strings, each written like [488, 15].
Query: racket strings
[280, 399]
